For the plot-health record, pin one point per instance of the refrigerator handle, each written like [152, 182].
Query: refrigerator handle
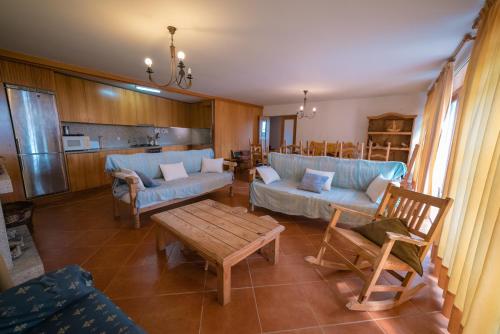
[21, 163]
[18, 146]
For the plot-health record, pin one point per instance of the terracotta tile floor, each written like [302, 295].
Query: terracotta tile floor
[290, 297]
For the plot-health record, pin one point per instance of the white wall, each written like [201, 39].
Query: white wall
[346, 120]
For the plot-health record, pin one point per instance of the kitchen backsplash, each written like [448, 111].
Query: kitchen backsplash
[119, 136]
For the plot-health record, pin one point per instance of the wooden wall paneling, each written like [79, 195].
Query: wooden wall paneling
[163, 112]
[9, 153]
[234, 124]
[102, 102]
[27, 75]
[70, 96]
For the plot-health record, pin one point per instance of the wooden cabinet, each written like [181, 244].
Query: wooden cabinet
[146, 109]
[83, 170]
[70, 96]
[126, 111]
[200, 115]
[102, 102]
[27, 75]
[180, 114]
[163, 112]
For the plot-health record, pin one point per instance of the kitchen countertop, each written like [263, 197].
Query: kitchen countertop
[126, 148]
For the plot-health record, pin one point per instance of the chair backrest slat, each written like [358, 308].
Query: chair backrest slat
[413, 208]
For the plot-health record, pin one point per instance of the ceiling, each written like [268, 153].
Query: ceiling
[258, 51]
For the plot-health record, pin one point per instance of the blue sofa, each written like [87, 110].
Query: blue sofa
[197, 184]
[352, 178]
[63, 301]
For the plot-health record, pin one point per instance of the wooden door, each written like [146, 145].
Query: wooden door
[70, 96]
[102, 102]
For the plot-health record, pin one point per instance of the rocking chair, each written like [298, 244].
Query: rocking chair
[412, 208]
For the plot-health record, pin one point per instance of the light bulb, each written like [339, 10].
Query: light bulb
[314, 109]
[181, 55]
[148, 62]
[189, 70]
[301, 108]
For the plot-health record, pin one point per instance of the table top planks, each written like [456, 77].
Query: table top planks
[217, 230]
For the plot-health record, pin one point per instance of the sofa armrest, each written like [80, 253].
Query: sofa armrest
[251, 174]
[347, 210]
[130, 179]
[230, 164]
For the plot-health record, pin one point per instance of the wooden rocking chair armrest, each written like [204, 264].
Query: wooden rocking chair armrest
[404, 238]
[347, 210]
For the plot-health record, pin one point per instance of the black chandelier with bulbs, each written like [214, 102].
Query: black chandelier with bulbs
[302, 113]
[178, 75]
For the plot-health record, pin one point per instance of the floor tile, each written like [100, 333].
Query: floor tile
[283, 307]
[110, 256]
[129, 236]
[369, 327]
[264, 273]
[146, 254]
[296, 244]
[186, 277]
[137, 281]
[434, 323]
[56, 258]
[239, 316]
[165, 314]
[102, 276]
[328, 300]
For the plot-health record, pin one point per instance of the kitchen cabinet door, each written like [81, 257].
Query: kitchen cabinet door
[27, 75]
[83, 170]
[126, 112]
[102, 102]
[163, 112]
[180, 114]
[146, 108]
[70, 96]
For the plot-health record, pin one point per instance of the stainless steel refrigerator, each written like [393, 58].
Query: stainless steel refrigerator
[38, 140]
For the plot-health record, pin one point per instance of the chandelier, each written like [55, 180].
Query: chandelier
[302, 113]
[178, 75]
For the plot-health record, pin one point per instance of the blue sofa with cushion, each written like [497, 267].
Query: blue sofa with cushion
[352, 178]
[63, 301]
[125, 188]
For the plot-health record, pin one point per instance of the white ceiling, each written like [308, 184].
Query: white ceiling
[258, 51]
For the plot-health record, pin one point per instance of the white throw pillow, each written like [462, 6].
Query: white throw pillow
[377, 187]
[268, 174]
[328, 184]
[130, 172]
[212, 165]
[173, 171]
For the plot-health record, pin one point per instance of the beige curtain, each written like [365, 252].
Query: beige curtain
[438, 102]
[470, 240]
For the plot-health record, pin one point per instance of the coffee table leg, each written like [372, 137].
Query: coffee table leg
[160, 239]
[223, 284]
[272, 250]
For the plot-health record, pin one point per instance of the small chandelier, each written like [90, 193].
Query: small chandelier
[302, 113]
[179, 78]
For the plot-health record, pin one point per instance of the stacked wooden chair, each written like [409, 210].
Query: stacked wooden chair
[257, 154]
[412, 208]
[375, 153]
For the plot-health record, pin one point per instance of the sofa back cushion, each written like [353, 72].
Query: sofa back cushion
[349, 173]
[149, 163]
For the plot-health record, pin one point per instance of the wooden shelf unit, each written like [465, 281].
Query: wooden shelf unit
[380, 133]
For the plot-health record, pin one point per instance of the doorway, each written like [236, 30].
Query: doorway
[282, 129]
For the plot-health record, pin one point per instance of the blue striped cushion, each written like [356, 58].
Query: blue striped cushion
[312, 182]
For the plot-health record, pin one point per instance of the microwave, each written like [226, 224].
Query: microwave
[76, 143]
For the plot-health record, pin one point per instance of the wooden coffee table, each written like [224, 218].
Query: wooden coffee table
[222, 235]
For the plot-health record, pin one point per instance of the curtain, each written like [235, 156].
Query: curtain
[438, 101]
[470, 238]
